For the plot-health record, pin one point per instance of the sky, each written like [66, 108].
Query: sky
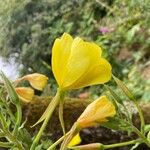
[10, 69]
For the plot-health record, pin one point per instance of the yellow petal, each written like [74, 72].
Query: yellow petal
[97, 112]
[82, 55]
[37, 81]
[60, 55]
[25, 94]
[98, 73]
[76, 63]
[75, 141]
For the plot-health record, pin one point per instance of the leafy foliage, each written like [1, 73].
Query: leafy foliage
[31, 30]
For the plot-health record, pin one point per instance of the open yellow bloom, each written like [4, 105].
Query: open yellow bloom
[37, 81]
[97, 112]
[76, 63]
[25, 94]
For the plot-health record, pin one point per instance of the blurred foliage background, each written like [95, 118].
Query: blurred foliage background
[28, 29]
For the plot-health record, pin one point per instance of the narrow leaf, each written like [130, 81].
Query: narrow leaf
[43, 115]
[10, 89]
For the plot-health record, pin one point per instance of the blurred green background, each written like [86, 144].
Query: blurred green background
[28, 29]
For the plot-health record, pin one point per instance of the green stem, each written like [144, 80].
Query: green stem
[19, 117]
[141, 116]
[54, 103]
[61, 119]
[57, 142]
[141, 136]
[121, 144]
[6, 144]
[73, 131]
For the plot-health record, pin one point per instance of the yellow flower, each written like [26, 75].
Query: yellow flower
[97, 112]
[75, 141]
[37, 81]
[76, 63]
[25, 94]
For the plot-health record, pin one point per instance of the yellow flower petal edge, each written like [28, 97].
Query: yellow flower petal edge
[75, 140]
[25, 94]
[76, 63]
[60, 55]
[97, 74]
[97, 112]
[37, 80]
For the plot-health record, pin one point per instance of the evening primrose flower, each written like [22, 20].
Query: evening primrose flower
[37, 81]
[25, 94]
[97, 112]
[76, 63]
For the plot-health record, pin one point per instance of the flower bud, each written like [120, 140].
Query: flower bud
[97, 112]
[37, 81]
[25, 94]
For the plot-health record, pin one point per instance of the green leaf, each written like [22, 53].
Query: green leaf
[10, 89]
[44, 115]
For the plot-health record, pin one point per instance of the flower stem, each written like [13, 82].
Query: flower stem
[73, 131]
[141, 116]
[61, 116]
[141, 136]
[57, 142]
[53, 103]
[121, 144]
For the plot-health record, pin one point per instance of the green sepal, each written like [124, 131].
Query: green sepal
[115, 96]
[124, 88]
